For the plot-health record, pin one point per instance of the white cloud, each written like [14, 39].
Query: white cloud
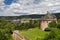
[15, 5]
[28, 7]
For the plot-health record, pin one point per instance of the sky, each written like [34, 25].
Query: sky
[26, 7]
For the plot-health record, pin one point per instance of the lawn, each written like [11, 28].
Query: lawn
[34, 34]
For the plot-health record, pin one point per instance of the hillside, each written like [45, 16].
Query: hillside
[28, 16]
[22, 16]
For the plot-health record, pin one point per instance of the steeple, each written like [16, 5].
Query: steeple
[48, 12]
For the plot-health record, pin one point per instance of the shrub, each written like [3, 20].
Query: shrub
[5, 28]
[22, 26]
[52, 24]
[58, 26]
[5, 35]
[48, 29]
[53, 35]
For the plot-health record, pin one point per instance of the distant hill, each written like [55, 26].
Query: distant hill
[28, 16]
[31, 16]
[22, 16]
[38, 15]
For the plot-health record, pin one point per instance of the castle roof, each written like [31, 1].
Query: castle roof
[48, 16]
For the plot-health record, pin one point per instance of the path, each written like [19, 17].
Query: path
[17, 36]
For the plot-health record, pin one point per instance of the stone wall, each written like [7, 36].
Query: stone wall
[44, 24]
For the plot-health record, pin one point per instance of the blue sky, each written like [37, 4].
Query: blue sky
[26, 7]
[8, 2]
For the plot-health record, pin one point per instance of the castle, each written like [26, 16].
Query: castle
[45, 20]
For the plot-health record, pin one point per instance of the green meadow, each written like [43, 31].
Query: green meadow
[34, 34]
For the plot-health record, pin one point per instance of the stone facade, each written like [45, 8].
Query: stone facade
[45, 20]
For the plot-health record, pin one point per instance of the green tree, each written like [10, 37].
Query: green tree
[58, 24]
[10, 26]
[5, 28]
[5, 35]
[53, 35]
[53, 24]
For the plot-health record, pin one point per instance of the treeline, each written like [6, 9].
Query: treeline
[22, 16]
[28, 16]
[57, 15]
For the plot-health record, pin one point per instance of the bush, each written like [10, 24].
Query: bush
[48, 29]
[58, 26]
[27, 25]
[23, 26]
[53, 35]
[53, 24]
[5, 35]
[5, 28]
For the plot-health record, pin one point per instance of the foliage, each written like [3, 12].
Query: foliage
[58, 25]
[5, 28]
[5, 35]
[57, 15]
[53, 24]
[22, 26]
[53, 35]
[10, 26]
[48, 29]
[36, 23]
[27, 25]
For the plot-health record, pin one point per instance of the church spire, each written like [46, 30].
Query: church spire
[48, 12]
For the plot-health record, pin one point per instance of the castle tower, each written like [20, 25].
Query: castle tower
[45, 20]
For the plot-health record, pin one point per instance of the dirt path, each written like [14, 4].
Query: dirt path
[17, 36]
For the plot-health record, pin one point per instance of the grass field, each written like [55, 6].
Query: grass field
[34, 34]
